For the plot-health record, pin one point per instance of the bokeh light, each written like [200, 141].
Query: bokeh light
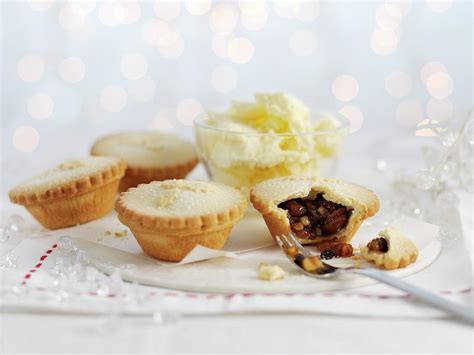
[251, 7]
[30, 68]
[163, 120]
[71, 20]
[398, 84]
[430, 68]
[384, 41]
[409, 113]
[220, 44]
[133, 66]
[439, 5]
[72, 70]
[131, 12]
[355, 117]
[111, 13]
[113, 98]
[171, 46]
[398, 8]
[303, 42]
[167, 10]
[307, 10]
[198, 7]
[254, 14]
[439, 85]
[440, 110]
[240, 50]
[40, 5]
[188, 110]
[26, 139]
[345, 88]
[223, 18]
[82, 7]
[141, 90]
[224, 79]
[386, 19]
[285, 8]
[156, 32]
[40, 106]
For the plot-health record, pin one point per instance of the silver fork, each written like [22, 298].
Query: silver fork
[328, 271]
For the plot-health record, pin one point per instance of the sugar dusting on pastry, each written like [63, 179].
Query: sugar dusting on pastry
[181, 198]
[270, 272]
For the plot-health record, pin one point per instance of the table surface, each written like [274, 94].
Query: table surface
[240, 333]
[62, 333]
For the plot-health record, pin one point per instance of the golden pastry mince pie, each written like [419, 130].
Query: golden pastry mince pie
[325, 212]
[73, 192]
[169, 218]
[390, 250]
[149, 155]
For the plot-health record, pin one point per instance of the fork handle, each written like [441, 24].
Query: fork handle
[462, 312]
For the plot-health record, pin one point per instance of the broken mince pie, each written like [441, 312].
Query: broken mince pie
[390, 250]
[314, 209]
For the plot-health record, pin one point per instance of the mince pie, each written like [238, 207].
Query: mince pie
[150, 156]
[74, 192]
[314, 209]
[390, 250]
[169, 218]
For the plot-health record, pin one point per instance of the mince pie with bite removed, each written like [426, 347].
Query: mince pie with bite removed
[314, 209]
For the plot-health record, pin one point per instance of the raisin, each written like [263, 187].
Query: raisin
[327, 254]
[299, 259]
[311, 208]
[345, 250]
[295, 209]
[378, 244]
[303, 234]
[334, 225]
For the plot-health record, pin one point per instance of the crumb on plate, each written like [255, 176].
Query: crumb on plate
[270, 272]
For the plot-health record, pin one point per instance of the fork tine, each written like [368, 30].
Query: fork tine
[279, 241]
[292, 241]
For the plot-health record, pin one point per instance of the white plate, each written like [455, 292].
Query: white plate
[230, 275]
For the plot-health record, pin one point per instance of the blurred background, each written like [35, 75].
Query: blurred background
[74, 70]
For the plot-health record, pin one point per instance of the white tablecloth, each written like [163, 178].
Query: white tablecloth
[35, 331]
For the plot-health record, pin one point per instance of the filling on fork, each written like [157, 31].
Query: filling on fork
[308, 263]
[316, 217]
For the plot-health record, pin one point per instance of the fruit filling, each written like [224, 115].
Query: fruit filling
[333, 248]
[312, 218]
[378, 245]
[308, 263]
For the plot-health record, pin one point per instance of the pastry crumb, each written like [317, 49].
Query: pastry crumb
[108, 233]
[270, 272]
[121, 234]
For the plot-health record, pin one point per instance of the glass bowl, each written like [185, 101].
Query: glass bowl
[243, 159]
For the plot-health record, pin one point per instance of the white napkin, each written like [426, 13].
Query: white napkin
[35, 286]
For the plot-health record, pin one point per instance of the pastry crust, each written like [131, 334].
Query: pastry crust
[267, 195]
[149, 155]
[135, 176]
[72, 193]
[68, 179]
[165, 230]
[401, 251]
